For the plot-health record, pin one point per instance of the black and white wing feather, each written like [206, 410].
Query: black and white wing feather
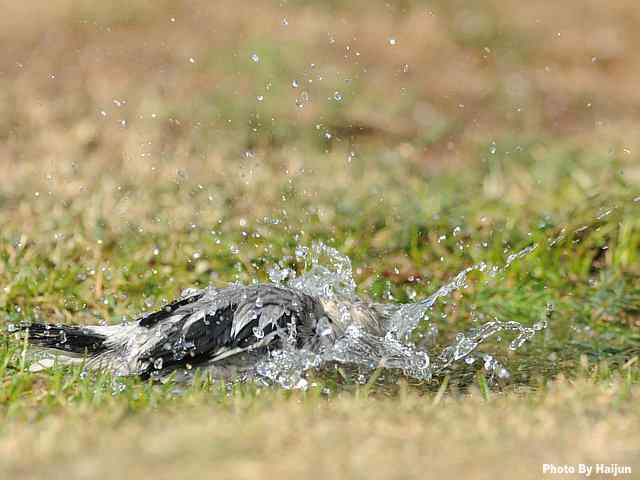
[212, 325]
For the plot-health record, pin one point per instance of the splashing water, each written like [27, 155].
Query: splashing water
[329, 273]
[407, 317]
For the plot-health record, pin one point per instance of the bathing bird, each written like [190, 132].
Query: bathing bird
[228, 328]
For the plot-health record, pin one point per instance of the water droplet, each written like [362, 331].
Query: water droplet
[541, 325]
[302, 99]
[118, 388]
[258, 333]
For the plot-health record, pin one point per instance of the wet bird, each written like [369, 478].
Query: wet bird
[228, 329]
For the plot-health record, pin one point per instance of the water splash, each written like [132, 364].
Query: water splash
[408, 317]
[329, 274]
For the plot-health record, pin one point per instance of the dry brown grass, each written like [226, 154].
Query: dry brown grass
[272, 437]
[543, 68]
[473, 73]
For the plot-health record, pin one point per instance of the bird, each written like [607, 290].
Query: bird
[228, 329]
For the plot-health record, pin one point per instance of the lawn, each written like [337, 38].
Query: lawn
[147, 147]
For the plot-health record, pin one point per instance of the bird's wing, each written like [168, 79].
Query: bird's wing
[257, 317]
[180, 305]
[233, 320]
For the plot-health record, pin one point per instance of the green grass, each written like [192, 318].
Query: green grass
[406, 234]
[83, 257]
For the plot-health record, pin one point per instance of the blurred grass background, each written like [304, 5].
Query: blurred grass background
[150, 146]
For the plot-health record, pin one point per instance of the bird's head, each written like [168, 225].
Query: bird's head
[343, 312]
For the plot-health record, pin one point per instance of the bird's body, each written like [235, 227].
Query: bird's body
[227, 328]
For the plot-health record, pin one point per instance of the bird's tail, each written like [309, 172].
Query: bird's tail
[68, 338]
